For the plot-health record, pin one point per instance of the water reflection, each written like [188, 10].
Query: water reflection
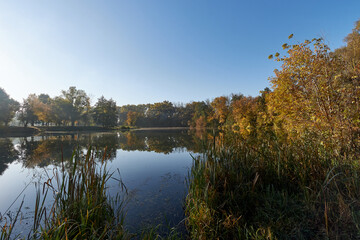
[153, 165]
[8, 154]
[51, 149]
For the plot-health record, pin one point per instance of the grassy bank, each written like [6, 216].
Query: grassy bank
[252, 189]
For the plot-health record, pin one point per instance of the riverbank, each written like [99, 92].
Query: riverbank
[271, 188]
[18, 131]
[81, 129]
[31, 131]
[160, 128]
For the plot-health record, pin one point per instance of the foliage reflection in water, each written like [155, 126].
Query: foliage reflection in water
[153, 166]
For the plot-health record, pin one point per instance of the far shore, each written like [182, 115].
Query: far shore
[11, 131]
[160, 128]
[14, 131]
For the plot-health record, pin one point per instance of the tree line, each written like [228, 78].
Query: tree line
[71, 108]
[315, 91]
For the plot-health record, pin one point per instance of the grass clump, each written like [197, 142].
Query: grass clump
[242, 189]
[82, 209]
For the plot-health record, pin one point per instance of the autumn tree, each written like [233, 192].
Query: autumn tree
[221, 110]
[27, 111]
[131, 118]
[43, 108]
[244, 111]
[351, 53]
[350, 78]
[140, 110]
[198, 114]
[310, 92]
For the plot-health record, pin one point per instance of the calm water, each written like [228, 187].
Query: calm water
[153, 166]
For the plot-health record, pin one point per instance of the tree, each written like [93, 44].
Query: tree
[43, 108]
[131, 118]
[245, 115]
[200, 112]
[312, 93]
[161, 113]
[59, 109]
[79, 102]
[27, 111]
[35, 109]
[221, 109]
[105, 112]
[8, 107]
[351, 53]
[140, 110]
[44, 98]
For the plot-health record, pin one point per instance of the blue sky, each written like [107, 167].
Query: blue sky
[149, 51]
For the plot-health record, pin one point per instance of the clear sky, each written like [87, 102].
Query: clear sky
[148, 51]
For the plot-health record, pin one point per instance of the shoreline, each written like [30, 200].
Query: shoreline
[160, 128]
[12, 131]
[18, 131]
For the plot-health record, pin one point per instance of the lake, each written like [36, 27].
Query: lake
[153, 165]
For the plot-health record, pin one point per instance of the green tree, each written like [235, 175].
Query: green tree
[8, 107]
[161, 113]
[105, 113]
[79, 102]
[59, 109]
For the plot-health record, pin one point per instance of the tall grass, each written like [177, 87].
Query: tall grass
[82, 208]
[265, 189]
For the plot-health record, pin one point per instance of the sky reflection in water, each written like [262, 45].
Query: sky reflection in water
[153, 166]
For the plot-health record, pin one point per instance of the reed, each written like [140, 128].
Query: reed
[264, 189]
[82, 208]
